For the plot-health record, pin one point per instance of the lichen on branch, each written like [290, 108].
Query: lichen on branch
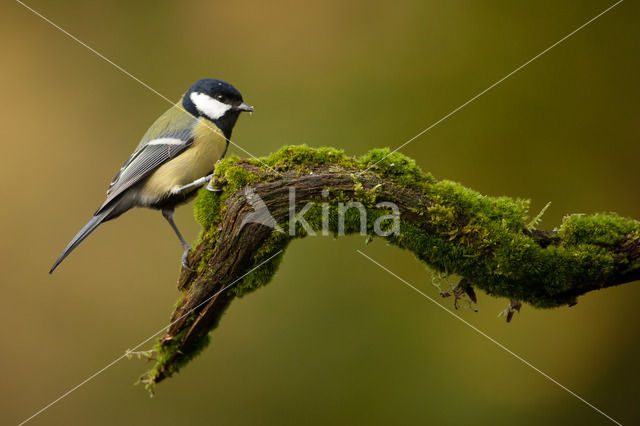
[490, 242]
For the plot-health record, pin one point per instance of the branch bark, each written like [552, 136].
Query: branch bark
[486, 241]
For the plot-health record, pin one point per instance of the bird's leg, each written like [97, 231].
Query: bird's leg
[168, 214]
[196, 183]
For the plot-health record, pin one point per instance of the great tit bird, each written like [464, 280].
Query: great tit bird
[174, 159]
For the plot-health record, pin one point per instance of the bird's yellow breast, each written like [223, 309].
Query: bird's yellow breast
[195, 162]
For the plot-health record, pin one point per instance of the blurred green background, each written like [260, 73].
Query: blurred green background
[333, 339]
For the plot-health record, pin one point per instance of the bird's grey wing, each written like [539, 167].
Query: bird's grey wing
[145, 160]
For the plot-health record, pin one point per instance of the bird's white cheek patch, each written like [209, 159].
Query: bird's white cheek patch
[208, 106]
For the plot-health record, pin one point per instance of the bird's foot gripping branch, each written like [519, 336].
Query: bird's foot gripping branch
[490, 242]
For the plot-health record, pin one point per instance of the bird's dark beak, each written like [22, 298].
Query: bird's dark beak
[244, 107]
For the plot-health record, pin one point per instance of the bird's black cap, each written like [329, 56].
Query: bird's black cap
[212, 87]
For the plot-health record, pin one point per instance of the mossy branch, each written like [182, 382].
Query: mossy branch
[489, 242]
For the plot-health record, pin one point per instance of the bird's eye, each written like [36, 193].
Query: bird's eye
[220, 98]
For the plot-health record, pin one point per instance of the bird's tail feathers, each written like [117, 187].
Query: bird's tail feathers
[84, 233]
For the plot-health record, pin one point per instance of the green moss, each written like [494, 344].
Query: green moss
[470, 234]
[396, 166]
[209, 240]
[265, 264]
[207, 208]
[485, 240]
[606, 229]
[235, 176]
[169, 358]
[295, 155]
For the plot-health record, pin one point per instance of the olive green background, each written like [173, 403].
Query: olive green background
[332, 339]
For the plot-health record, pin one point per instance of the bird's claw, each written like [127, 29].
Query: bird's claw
[210, 186]
[184, 259]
